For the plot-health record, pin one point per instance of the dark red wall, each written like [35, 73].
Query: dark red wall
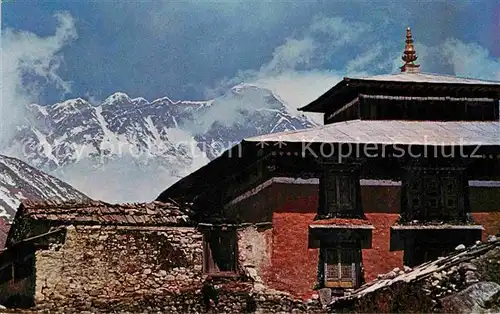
[292, 208]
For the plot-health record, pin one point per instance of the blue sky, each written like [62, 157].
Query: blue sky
[190, 49]
[56, 50]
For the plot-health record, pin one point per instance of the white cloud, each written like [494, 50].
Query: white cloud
[123, 180]
[131, 175]
[297, 87]
[290, 55]
[30, 63]
[470, 60]
[366, 60]
[461, 58]
[296, 71]
[316, 45]
[91, 98]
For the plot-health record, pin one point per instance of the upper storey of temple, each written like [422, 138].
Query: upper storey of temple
[409, 95]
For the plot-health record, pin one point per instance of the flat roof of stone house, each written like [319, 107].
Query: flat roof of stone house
[99, 212]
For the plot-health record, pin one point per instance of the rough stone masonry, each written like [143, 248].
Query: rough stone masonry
[119, 261]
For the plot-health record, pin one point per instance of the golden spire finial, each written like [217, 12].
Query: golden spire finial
[409, 56]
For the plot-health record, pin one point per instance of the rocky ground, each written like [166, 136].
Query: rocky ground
[466, 281]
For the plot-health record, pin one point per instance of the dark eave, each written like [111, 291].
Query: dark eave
[318, 105]
[226, 170]
[204, 179]
[350, 87]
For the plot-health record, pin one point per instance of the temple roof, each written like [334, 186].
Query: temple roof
[409, 84]
[452, 133]
[409, 80]
[358, 132]
[154, 213]
[425, 78]
[428, 83]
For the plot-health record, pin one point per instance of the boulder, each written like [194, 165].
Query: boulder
[479, 297]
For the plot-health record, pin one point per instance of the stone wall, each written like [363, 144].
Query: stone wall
[292, 208]
[290, 264]
[254, 251]
[99, 264]
[149, 269]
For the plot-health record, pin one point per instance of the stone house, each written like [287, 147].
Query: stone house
[105, 257]
[406, 167]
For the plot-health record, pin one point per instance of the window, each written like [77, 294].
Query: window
[434, 197]
[220, 252]
[341, 267]
[340, 193]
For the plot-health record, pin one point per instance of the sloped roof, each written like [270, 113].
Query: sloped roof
[452, 133]
[98, 212]
[426, 78]
[423, 271]
[358, 132]
[427, 81]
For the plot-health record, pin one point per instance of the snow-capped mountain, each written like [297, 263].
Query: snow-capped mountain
[20, 181]
[130, 149]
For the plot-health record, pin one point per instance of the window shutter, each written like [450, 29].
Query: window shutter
[450, 196]
[435, 196]
[340, 192]
[330, 192]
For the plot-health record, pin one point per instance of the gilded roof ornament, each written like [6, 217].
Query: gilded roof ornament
[409, 55]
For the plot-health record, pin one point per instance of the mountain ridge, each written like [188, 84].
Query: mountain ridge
[19, 181]
[155, 142]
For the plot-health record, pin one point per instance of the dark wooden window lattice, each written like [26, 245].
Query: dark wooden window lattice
[340, 192]
[435, 197]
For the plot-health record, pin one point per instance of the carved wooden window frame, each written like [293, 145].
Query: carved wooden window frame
[435, 195]
[341, 267]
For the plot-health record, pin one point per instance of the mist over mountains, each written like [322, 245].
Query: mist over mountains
[130, 149]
